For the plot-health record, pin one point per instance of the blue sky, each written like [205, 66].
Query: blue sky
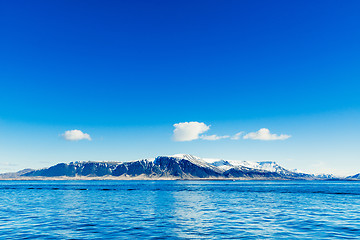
[125, 72]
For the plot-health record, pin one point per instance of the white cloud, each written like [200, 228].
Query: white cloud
[75, 135]
[213, 137]
[236, 136]
[264, 134]
[188, 131]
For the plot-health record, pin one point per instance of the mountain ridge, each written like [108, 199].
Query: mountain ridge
[179, 166]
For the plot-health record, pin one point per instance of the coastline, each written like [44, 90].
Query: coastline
[142, 178]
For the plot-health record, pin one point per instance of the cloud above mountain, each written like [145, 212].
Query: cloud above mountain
[265, 135]
[237, 136]
[213, 137]
[189, 131]
[75, 135]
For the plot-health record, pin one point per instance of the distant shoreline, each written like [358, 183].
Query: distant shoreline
[161, 179]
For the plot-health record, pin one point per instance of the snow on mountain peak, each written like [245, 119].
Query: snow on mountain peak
[187, 157]
[224, 165]
[195, 160]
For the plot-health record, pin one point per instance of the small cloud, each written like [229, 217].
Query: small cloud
[264, 134]
[75, 135]
[236, 136]
[213, 137]
[188, 131]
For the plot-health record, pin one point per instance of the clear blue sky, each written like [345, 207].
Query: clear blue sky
[125, 71]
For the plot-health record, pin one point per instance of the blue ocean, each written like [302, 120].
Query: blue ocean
[179, 210]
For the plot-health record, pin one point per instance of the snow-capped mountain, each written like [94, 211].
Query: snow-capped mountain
[179, 166]
[15, 174]
[326, 176]
[356, 176]
[227, 164]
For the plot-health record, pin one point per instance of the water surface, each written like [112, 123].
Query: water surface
[179, 210]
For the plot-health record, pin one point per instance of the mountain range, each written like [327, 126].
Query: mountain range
[180, 166]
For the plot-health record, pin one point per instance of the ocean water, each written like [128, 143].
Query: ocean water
[179, 210]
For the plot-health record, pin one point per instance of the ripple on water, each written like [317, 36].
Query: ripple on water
[179, 210]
